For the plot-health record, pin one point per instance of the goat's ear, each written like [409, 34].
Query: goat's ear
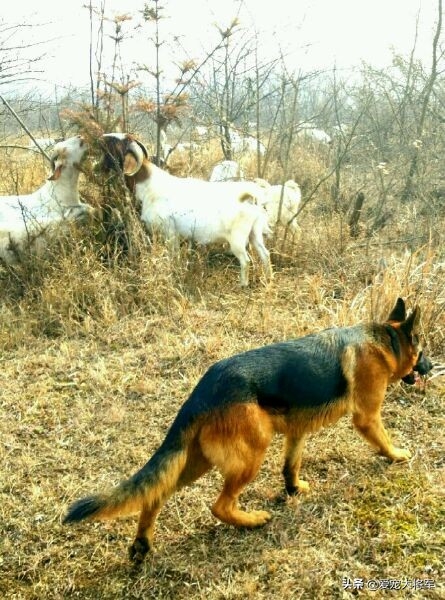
[131, 165]
[135, 154]
[56, 173]
[398, 313]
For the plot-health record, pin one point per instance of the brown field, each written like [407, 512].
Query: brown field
[97, 355]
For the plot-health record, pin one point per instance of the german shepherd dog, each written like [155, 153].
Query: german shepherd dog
[293, 387]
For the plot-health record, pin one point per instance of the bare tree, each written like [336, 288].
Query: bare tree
[425, 100]
[18, 59]
[170, 105]
[18, 63]
[232, 91]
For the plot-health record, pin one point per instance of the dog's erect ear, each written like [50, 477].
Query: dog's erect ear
[398, 313]
[412, 322]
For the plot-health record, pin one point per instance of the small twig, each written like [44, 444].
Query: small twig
[438, 374]
[17, 147]
[390, 243]
[15, 115]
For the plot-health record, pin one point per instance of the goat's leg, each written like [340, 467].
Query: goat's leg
[256, 239]
[171, 238]
[238, 248]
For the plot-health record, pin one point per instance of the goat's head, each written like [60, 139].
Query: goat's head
[67, 154]
[122, 153]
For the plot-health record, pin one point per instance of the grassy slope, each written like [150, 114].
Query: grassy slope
[95, 362]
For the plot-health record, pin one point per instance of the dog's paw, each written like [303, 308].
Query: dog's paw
[138, 550]
[400, 454]
[302, 487]
[259, 517]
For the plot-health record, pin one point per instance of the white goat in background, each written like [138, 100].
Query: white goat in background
[25, 219]
[227, 170]
[245, 143]
[281, 203]
[314, 134]
[197, 210]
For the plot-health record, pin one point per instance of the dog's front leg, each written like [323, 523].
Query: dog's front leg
[373, 430]
[292, 464]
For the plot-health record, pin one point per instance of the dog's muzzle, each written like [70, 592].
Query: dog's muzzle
[422, 368]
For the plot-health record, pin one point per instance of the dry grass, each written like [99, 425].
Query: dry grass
[98, 353]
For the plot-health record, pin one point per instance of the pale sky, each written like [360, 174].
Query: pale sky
[316, 34]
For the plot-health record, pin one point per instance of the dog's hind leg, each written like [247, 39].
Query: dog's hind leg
[144, 536]
[236, 442]
[226, 506]
[292, 464]
[370, 425]
[195, 466]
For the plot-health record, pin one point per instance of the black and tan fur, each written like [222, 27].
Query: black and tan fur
[294, 388]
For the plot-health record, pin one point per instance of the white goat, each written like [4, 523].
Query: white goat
[191, 208]
[281, 203]
[245, 143]
[202, 131]
[314, 134]
[226, 170]
[25, 219]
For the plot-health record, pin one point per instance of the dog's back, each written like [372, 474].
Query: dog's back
[293, 387]
[300, 373]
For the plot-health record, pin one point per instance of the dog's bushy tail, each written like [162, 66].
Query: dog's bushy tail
[154, 483]
[161, 475]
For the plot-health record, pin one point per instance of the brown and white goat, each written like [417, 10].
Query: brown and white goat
[25, 219]
[189, 208]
